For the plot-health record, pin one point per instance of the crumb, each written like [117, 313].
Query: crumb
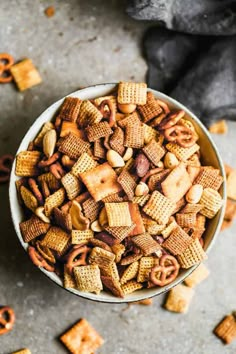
[219, 127]
[49, 11]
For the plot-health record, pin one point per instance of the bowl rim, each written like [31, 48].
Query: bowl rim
[113, 299]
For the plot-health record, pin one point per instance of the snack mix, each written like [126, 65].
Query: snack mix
[114, 193]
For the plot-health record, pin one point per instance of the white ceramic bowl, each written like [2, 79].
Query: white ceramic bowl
[210, 156]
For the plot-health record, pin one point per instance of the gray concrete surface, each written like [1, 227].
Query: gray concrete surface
[89, 42]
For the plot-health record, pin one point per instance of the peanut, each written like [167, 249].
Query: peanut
[194, 194]
[79, 221]
[96, 227]
[114, 159]
[127, 108]
[141, 189]
[170, 160]
[128, 154]
[49, 142]
[41, 215]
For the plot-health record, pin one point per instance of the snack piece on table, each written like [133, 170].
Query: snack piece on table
[179, 299]
[197, 276]
[23, 351]
[226, 329]
[25, 74]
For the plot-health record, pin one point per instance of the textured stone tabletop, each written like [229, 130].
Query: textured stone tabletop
[89, 42]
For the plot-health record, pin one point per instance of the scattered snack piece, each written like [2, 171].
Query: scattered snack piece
[6, 62]
[197, 276]
[108, 191]
[219, 127]
[179, 299]
[49, 11]
[146, 302]
[7, 319]
[82, 338]
[25, 74]
[226, 329]
[231, 185]
[23, 351]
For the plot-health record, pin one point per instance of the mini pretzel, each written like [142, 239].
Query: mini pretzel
[49, 161]
[38, 260]
[35, 189]
[5, 167]
[164, 106]
[7, 319]
[171, 119]
[45, 189]
[4, 57]
[111, 115]
[167, 272]
[183, 136]
[57, 170]
[72, 260]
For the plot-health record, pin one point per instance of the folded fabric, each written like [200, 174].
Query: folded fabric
[210, 17]
[198, 71]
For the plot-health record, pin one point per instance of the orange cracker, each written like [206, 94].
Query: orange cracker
[56, 239]
[25, 74]
[54, 201]
[73, 146]
[88, 278]
[134, 136]
[231, 185]
[128, 183]
[88, 114]
[118, 214]
[182, 153]
[101, 181]
[209, 178]
[136, 219]
[26, 163]
[178, 241]
[97, 131]
[71, 127]
[28, 198]
[154, 152]
[69, 109]
[83, 164]
[130, 272]
[177, 183]
[192, 255]
[151, 109]
[197, 276]
[82, 338]
[226, 329]
[33, 228]
[159, 207]
[116, 141]
[146, 243]
[38, 141]
[62, 219]
[131, 92]
[179, 299]
[72, 185]
[131, 286]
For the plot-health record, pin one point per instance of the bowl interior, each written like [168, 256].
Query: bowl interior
[210, 156]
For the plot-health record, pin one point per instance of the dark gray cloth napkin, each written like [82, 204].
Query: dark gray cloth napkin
[198, 70]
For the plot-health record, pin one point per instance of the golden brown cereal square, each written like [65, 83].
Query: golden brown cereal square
[68, 279]
[179, 299]
[130, 259]
[116, 141]
[177, 183]
[101, 181]
[136, 219]
[211, 201]
[118, 214]
[130, 272]
[131, 119]
[128, 183]
[97, 131]
[99, 150]
[73, 146]
[82, 338]
[92, 208]
[33, 228]
[25, 74]
[159, 207]
[83, 164]
[72, 185]
[169, 227]
[113, 285]
[141, 200]
[151, 109]
[56, 239]
[186, 220]
[88, 278]
[197, 276]
[145, 266]
[178, 241]
[101, 257]
[226, 329]
[118, 249]
[54, 201]
[131, 286]
[27, 163]
[79, 236]
[209, 178]
[69, 109]
[28, 198]
[182, 153]
[146, 243]
[154, 182]
[113, 198]
[191, 208]
[120, 232]
[62, 219]
[50, 179]
[88, 114]
[192, 255]
[131, 92]
[154, 152]
[134, 136]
